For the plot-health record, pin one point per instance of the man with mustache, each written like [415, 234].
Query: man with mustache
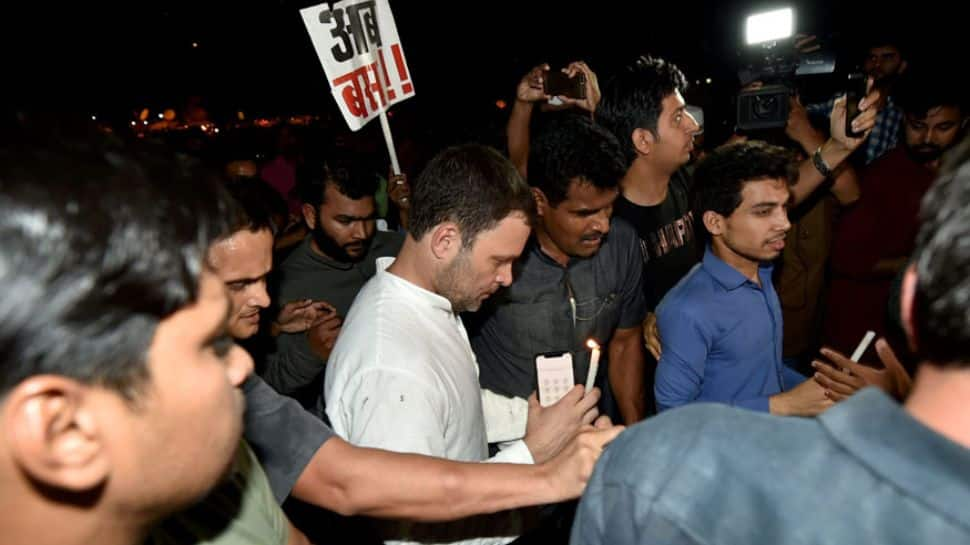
[579, 278]
[874, 238]
[331, 265]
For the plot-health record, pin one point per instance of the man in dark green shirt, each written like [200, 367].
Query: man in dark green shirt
[331, 265]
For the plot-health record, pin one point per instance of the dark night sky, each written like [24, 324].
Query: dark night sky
[257, 55]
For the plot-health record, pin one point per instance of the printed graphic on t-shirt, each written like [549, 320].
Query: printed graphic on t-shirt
[676, 234]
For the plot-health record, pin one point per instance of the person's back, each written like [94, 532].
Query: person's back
[863, 472]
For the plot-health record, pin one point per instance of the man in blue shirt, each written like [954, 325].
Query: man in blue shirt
[721, 325]
[866, 471]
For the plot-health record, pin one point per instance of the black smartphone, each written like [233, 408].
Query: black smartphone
[855, 90]
[556, 83]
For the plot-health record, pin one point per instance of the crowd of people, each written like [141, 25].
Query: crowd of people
[314, 349]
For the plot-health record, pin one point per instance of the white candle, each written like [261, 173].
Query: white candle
[863, 345]
[594, 363]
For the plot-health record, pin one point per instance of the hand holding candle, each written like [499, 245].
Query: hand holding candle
[594, 363]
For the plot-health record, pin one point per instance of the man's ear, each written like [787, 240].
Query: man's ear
[713, 222]
[309, 215]
[542, 203]
[643, 141]
[907, 312]
[55, 435]
[445, 240]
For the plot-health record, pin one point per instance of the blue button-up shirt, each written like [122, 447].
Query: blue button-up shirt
[721, 337]
[865, 471]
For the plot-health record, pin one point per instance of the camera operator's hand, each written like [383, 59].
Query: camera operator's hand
[530, 86]
[592, 87]
[862, 123]
[800, 129]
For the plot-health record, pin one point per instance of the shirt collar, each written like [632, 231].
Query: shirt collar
[887, 439]
[729, 277]
[430, 298]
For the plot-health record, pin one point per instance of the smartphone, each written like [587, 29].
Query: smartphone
[855, 90]
[556, 83]
[554, 374]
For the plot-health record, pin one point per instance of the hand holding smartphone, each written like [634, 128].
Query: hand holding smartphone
[854, 92]
[560, 84]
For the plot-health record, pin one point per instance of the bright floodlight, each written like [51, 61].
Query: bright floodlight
[769, 26]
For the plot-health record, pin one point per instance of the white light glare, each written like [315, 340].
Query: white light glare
[769, 26]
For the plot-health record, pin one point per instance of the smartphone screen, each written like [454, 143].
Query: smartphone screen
[855, 91]
[554, 374]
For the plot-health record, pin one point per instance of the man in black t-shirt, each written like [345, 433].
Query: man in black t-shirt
[644, 107]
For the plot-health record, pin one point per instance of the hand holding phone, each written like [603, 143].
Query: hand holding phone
[560, 84]
[854, 92]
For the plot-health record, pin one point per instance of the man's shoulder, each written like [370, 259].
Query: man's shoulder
[381, 329]
[693, 291]
[696, 445]
[300, 256]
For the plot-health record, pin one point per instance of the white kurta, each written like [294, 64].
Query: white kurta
[403, 377]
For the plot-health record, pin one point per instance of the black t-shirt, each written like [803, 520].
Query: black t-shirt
[667, 242]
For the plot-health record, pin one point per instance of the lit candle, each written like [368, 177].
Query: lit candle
[594, 363]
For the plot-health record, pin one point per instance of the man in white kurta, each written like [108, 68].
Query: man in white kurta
[403, 377]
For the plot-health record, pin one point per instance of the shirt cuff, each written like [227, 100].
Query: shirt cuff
[516, 453]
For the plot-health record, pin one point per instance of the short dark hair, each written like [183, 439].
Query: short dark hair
[633, 99]
[571, 147]
[351, 174]
[97, 250]
[919, 91]
[882, 36]
[720, 176]
[471, 185]
[258, 204]
[942, 257]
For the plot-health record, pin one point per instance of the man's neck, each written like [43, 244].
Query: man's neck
[645, 184]
[747, 267]
[939, 401]
[549, 247]
[411, 265]
[71, 525]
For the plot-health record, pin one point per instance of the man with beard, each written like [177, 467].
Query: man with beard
[579, 278]
[874, 239]
[331, 265]
[884, 61]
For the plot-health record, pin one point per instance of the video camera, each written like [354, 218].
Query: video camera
[773, 59]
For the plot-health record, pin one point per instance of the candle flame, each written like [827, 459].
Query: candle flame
[593, 345]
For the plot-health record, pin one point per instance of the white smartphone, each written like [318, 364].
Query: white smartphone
[554, 374]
